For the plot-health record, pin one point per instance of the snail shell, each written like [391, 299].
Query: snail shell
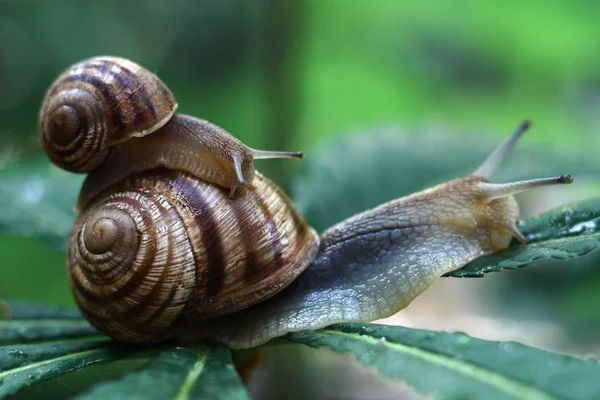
[98, 103]
[165, 247]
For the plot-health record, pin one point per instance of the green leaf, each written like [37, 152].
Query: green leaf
[27, 309]
[566, 233]
[200, 372]
[457, 366]
[32, 321]
[24, 365]
[23, 331]
[36, 199]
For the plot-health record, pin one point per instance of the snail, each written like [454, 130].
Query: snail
[164, 253]
[94, 116]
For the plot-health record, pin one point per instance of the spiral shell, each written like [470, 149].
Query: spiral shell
[98, 103]
[164, 247]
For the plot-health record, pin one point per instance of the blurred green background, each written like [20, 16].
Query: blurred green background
[300, 74]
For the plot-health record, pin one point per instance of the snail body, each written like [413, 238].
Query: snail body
[185, 144]
[159, 250]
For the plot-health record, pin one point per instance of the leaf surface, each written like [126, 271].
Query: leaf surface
[27, 309]
[30, 321]
[455, 365]
[199, 372]
[36, 199]
[26, 364]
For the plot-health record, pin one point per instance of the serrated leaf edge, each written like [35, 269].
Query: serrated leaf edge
[510, 264]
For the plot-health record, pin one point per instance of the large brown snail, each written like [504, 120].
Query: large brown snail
[162, 248]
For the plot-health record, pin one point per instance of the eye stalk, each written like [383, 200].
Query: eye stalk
[502, 192]
[491, 163]
[492, 191]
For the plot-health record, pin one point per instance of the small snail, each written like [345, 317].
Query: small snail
[166, 253]
[96, 112]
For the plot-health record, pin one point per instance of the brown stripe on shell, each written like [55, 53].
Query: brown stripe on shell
[137, 278]
[149, 297]
[299, 244]
[114, 108]
[82, 156]
[173, 270]
[129, 85]
[300, 227]
[89, 303]
[75, 160]
[138, 309]
[243, 220]
[212, 247]
[160, 311]
[272, 230]
[264, 236]
[152, 103]
[286, 246]
[96, 315]
[134, 85]
[299, 223]
[166, 93]
[81, 290]
[141, 91]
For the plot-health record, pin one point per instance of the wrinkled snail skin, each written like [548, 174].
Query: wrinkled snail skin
[163, 248]
[97, 103]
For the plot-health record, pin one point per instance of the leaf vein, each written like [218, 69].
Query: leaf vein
[512, 387]
[192, 377]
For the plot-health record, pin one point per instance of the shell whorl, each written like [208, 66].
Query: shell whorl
[98, 103]
[128, 265]
[163, 248]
